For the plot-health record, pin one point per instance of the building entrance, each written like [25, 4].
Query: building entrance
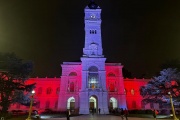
[71, 103]
[113, 103]
[93, 104]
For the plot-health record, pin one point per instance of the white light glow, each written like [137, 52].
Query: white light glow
[33, 92]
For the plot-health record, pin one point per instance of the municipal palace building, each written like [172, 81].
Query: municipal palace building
[92, 83]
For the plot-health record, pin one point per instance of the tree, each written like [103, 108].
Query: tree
[13, 74]
[156, 90]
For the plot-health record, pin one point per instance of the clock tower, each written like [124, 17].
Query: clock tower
[93, 93]
[92, 19]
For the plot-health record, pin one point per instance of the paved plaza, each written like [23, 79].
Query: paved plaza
[103, 117]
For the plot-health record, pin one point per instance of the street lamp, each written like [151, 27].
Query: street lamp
[172, 106]
[30, 108]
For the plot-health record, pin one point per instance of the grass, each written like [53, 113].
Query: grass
[18, 117]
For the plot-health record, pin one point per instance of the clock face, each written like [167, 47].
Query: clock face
[93, 16]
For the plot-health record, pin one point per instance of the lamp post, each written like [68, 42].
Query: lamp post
[30, 108]
[172, 106]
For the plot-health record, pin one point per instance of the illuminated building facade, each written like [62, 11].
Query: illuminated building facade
[91, 83]
[86, 82]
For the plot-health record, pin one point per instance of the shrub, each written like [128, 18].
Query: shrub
[5, 115]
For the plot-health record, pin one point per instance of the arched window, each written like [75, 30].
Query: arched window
[93, 69]
[132, 92]
[93, 77]
[92, 31]
[73, 74]
[111, 74]
[112, 87]
[49, 91]
[125, 91]
[40, 90]
[95, 32]
[72, 87]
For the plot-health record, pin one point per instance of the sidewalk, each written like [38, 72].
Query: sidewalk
[104, 117]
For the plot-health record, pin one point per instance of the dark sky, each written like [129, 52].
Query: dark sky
[140, 34]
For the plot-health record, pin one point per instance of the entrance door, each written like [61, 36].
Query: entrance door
[71, 103]
[93, 104]
[113, 103]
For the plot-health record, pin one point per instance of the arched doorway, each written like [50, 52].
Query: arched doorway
[113, 103]
[93, 104]
[71, 103]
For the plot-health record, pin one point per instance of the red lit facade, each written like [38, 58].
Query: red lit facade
[47, 92]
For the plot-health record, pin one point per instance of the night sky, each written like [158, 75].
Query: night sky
[140, 34]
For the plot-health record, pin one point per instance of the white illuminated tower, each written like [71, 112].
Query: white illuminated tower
[92, 84]
[93, 93]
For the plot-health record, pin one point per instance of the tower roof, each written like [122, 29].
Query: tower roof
[92, 5]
